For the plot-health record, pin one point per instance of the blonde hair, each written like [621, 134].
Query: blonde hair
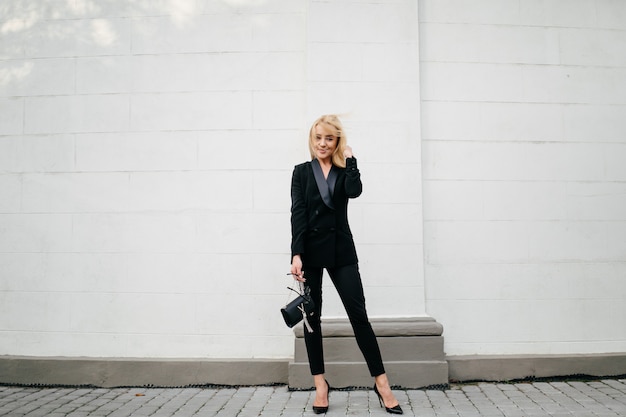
[334, 123]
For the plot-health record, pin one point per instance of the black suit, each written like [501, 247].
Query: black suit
[322, 237]
[320, 234]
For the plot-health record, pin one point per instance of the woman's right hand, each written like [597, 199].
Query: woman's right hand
[296, 268]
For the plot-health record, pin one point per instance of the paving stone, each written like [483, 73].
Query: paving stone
[554, 399]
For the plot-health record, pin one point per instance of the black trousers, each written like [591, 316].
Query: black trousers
[347, 281]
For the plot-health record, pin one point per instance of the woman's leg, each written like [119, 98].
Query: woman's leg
[321, 391]
[382, 384]
[313, 340]
[347, 281]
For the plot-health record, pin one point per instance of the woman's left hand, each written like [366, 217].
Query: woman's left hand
[347, 152]
[296, 268]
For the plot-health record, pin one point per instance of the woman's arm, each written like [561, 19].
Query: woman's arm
[298, 223]
[354, 187]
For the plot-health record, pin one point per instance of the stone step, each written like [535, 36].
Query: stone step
[355, 374]
[403, 348]
[383, 326]
[412, 350]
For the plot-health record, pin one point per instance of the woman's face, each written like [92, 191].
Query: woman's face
[324, 142]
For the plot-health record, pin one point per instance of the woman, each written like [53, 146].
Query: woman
[321, 239]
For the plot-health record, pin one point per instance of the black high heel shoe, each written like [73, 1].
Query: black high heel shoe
[322, 410]
[392, 410]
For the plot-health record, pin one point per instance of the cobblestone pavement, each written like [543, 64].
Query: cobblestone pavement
[602, 398]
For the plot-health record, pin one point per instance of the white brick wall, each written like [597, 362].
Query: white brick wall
[145, 157]
[524, 197]
[362, 61]
[146, 151]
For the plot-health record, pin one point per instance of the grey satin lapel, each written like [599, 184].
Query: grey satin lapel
[322, 185]
[332, 180]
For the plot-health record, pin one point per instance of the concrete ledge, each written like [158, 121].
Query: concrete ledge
[512, 367]
[113, 372]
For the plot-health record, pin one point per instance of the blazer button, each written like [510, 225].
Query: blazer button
[317, 212]
[332, 229]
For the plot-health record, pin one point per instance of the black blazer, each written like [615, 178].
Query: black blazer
[320, 234]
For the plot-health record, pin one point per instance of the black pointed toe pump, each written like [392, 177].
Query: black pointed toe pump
[322, 410]
[391, 410]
